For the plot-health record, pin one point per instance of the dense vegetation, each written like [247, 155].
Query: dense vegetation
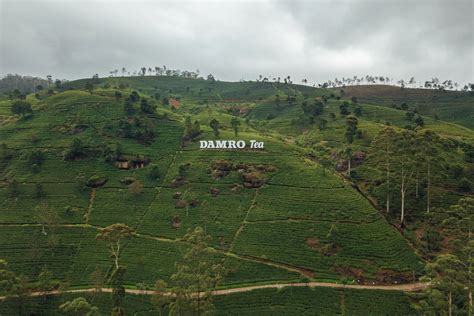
[79, 157]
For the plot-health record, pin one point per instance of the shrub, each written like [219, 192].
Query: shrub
[145, 107]
[36, 157]
[76, 149]
[464, 185]
[21, 108]
[154, 172]
[96, 181]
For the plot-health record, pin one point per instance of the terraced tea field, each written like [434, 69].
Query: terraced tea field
[275, 215]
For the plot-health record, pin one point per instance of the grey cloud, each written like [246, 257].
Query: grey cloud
[317, 40]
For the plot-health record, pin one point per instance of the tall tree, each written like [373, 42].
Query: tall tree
[89, 87]
[351, 129]
[118, 291]
[235, 123]
[194, 280]
[405, 166]
[447, 277]
[14, 286]
[45, 281]
[47, 217]
[459, 224]
[347, 154]
[428, 149]
[381, 153]
[114, 235]
[215, 125]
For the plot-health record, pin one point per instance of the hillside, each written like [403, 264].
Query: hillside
[451, 106]
[280, 214]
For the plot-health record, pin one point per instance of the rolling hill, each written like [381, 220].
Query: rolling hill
[275, 214]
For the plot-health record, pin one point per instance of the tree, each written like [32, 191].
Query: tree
[447, 276]
[118, 291]
[80, 307]
[235, 123]
[188, 126]
[211, 78]
[419, 121]
[191, 130]
[347, 154]
[428, 141]
[215, 125]
[351, 128]
[409, 115]
[358, 111]
[381, 153]
[194, 280]
[459, 224]
[145, 107]
[117, 95]
[196, 131]
[36, 157]
[405, 164]
[89, 87]
[97, 278]
[76, 149]
[14, 286]
[45, 281]
[21, 107]
[128, 106]
[134, 96]
[48, 218]
[114, 235]
[7, 278]
[344, 108]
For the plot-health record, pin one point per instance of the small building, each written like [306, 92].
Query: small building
[122, 164]
[132, 163]
[175, 103]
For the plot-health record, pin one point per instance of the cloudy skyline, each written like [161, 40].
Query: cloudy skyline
[233, 40]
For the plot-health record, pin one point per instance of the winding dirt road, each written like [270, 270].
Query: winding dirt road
[412, 287]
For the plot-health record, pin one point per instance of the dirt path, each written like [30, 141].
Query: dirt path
[412, 287]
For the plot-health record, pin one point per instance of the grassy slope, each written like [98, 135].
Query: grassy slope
[450, 106]
[298, 203]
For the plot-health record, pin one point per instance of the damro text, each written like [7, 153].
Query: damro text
[230, 144]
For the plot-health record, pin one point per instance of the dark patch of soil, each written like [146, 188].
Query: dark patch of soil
[214, 191]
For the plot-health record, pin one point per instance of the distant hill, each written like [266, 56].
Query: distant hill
[452, 106]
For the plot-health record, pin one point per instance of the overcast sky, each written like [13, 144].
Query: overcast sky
[233, 40]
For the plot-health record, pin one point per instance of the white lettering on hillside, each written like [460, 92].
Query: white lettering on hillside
[230, 144]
